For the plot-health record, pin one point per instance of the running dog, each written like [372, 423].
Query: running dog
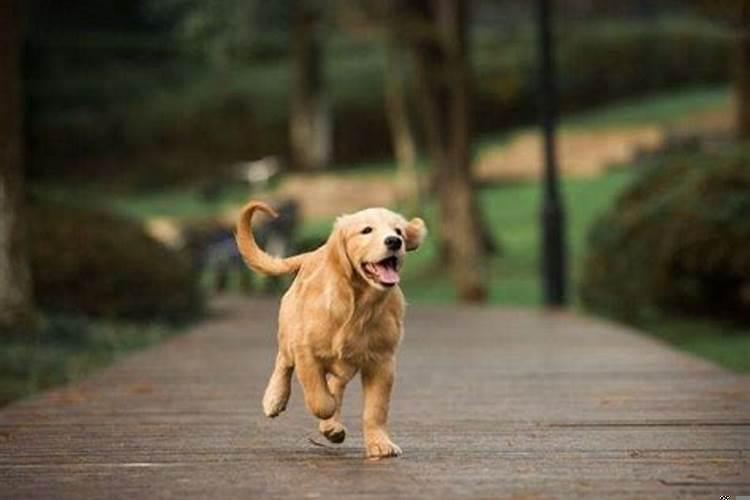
[342, 314]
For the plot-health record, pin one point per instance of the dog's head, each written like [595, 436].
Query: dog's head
[371, 245]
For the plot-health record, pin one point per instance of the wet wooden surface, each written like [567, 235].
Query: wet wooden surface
[488, 404]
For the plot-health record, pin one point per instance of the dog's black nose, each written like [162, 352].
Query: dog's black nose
[393, 242]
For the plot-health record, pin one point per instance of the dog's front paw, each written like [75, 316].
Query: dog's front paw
[274, 404]
[381, 446]
[334, 431]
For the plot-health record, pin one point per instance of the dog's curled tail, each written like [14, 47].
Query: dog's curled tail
[254, 256]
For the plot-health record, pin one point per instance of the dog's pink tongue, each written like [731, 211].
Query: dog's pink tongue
[387, 274]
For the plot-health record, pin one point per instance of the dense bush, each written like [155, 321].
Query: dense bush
[678, 239]
[199, 118]
[98, 264]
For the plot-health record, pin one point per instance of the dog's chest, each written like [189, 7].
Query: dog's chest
[367, 340]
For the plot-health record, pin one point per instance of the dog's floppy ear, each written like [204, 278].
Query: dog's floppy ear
[416, 231]
[336, 249]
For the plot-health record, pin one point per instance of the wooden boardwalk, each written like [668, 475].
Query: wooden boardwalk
[489, 403]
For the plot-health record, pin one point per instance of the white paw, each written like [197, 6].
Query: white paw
[274, 404]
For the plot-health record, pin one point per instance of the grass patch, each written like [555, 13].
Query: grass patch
[661, 109]
[66, 348]
[512, 212]
[184, 202]
[725, 344]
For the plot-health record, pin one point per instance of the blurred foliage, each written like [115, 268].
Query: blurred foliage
[597, 64]
[161, 115]
[98, 264]
[225, 31]
[676, 240]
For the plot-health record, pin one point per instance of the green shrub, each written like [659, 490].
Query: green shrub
[678, 239]
[101, 265]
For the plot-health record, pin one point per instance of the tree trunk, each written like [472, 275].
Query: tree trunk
[444, 77]
[309, 124]
[402, 135]
[742, 72]
[15, 276]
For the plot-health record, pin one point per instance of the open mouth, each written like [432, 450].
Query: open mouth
[384, 272]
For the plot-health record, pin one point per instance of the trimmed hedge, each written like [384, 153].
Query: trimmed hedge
[101, 265]
[677, 240]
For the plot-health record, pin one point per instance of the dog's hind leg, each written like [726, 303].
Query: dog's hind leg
[332, 428]
[279, 386]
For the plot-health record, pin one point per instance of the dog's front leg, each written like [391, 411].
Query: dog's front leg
[377, 383]
[333, 429]
[311, 375]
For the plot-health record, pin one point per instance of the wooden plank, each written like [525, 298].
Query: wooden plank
[489, 403]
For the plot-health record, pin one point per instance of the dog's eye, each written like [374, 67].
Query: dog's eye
[398, 231]
[367, 230]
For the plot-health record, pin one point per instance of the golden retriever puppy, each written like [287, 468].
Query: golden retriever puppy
[342, 314]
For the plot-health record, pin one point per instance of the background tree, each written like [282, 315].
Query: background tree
[15, 276]
[380, 20]
[439, 37]
[737, 14]
[309, 120]
[224, 31]
[742, 69]
[397, 111]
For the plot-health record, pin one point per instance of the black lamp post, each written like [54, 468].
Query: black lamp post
[554, 275]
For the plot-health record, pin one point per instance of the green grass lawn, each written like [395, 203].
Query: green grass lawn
[663, 109]
[180, 202]
[660, 109]
[512, 212]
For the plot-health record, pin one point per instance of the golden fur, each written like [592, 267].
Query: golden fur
[339, 317]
